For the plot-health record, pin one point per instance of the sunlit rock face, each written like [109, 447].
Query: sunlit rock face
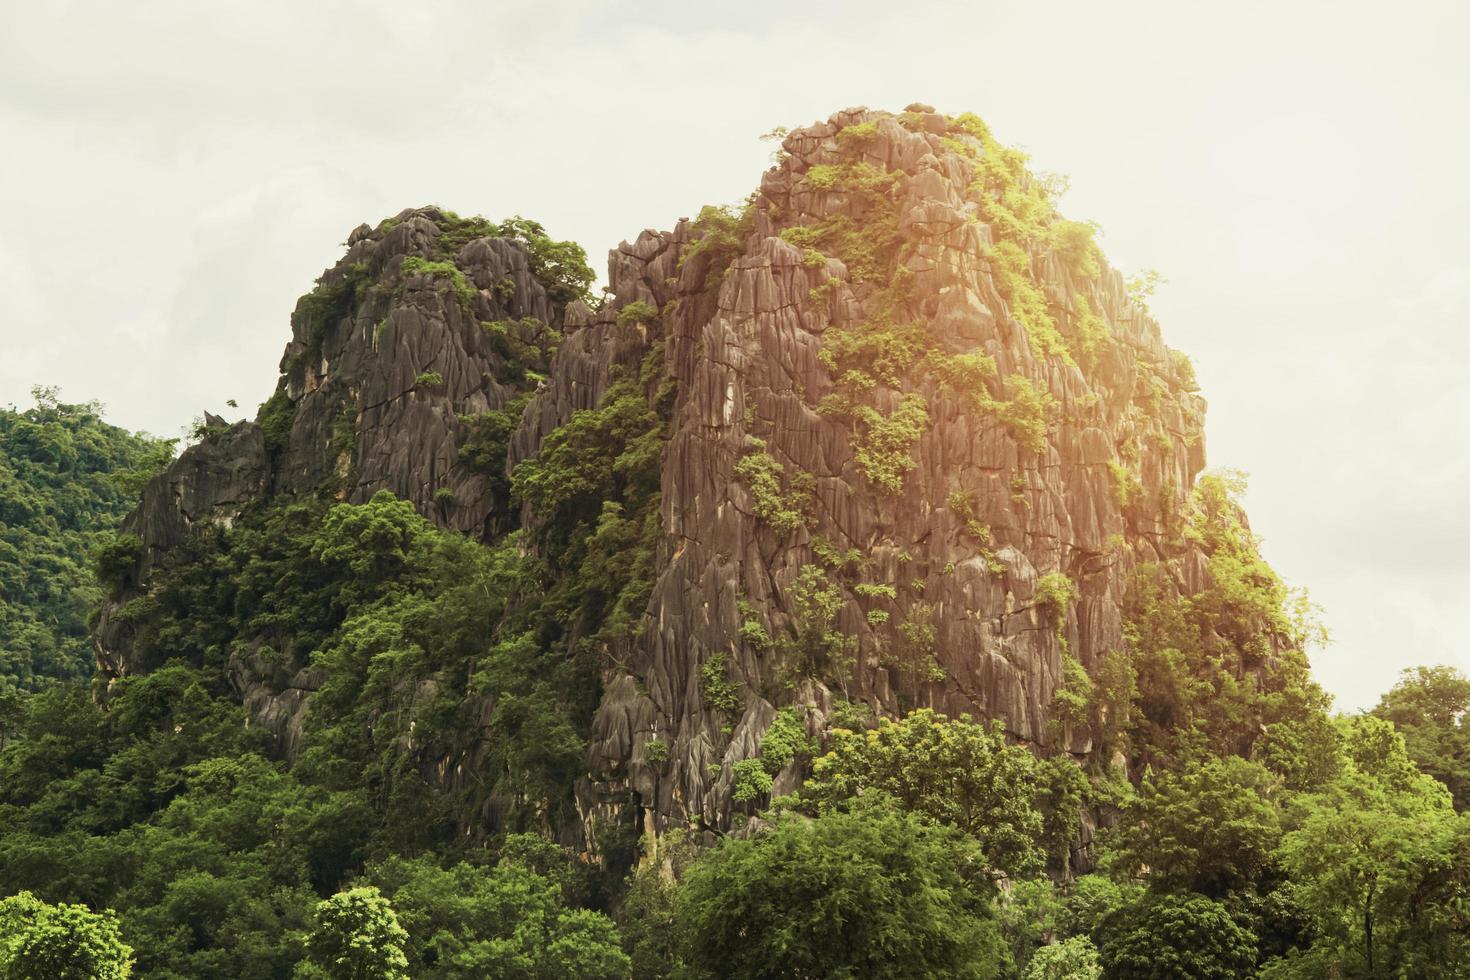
[747, 355]
[967, 457]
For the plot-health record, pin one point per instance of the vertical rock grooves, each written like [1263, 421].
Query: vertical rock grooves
[918, 438]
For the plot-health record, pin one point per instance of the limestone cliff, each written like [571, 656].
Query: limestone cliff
[898, 367]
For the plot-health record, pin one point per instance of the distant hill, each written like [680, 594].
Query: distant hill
[66, 480]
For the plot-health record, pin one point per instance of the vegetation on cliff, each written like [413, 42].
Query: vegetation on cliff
[66, 480]
[1186, 805]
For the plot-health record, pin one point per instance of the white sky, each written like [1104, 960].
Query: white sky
[174, 175]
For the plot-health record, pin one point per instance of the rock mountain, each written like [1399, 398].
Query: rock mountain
[913, 435]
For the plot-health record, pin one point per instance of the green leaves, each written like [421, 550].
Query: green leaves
[1177, 937]
[956, 772]
[66, 480]
[357, 937]
[872, 893]
[1207, 828]
[65, 942]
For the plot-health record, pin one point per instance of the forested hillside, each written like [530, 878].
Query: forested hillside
[66, 480]
[841, 594]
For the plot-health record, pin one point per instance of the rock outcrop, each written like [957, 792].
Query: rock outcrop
[1123, 444]
[973, 451]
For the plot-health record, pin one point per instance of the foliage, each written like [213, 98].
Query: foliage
[784, 511]
[914, 655]
[881, 444]
[446, 271]
[277, 415]
[1176, 937]
[637, 311]
[1025, 412]
[1074, 958]
[1430, 707]
[716, 688]
[1074, 244]
[956, 772]
[750, 781]
[721, 233]
[357, 937]
[429, 379]
[1011, 266]
[66, 480]
[560, 267]
[523, 350]
[1208, 828]
[1377, 856]
[811, 645]
[511, 920]
[786, 741]
[871, 893]
[60, 942]
[486, 450]
[1094, 336]
[1054, 594]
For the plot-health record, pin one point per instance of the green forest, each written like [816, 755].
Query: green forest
[160, 832]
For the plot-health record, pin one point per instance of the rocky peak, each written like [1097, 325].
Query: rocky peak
[911, 434]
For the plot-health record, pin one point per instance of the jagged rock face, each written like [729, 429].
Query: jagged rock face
[750, 367]
[385, 358]
[381, 366]
[356, 380]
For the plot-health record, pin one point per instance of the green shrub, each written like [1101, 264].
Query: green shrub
[812, 647]
[722, 233]
[761, 474]
[560, 267]
[857, 135]
[429, 379]
[1093, 335]
[1054, 594]
[413, 265]
[1011, 266]
[1025, 412]
[751, 781]
[752, 630]
[277, 415]
[1126, 487]
[1075, 246]
[715, 687]
[1073, 696]
[637, 311]
[824, 176]
[962, 505]
[116, 561]
[786, 740]
[882, 445]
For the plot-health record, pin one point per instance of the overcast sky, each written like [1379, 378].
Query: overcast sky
[174, 175]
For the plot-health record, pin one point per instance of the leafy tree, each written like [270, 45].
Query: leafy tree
[1430, 706]
[357, 937]
[66, 480]
[871, 893]
[955, 772]
[1369, 854]
[1176, 937]
[65, 942]
[812, 646]
[1071, 959]
[1091, 899]
[506, 921]
[1210, 827]
[1027, 913]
